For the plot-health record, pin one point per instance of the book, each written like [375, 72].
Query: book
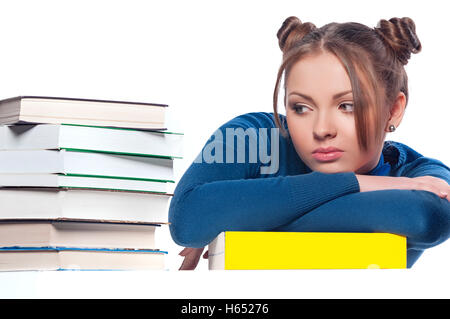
[95, 138]
[66, 232]
[86, 163]
[74, 181]
[38, 203]
[304, 250]
[57, 110]
[72, 258]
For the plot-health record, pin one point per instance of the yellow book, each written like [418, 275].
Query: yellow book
[302, 250]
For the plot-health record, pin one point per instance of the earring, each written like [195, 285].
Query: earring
[391, 128]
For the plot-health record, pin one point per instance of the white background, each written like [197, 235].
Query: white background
[211, 61]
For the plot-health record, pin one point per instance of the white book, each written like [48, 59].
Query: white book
[57, 110]
[41, 203]
[85, 163]
[76, 233]
[216, 253]
[63, 258]
[103, 139]
[70, 181]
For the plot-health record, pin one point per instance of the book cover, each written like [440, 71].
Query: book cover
[69, 232]
[94, 138]
[59, 180]
[57, 110]
[36, 203]
[74, 258]
[85, 162]
[303, 250]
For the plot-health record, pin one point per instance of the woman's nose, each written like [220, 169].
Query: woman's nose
[324, 127]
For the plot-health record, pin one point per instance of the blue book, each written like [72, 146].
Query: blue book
[17, 258]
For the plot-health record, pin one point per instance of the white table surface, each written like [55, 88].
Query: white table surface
[373, 283]
[429, 278]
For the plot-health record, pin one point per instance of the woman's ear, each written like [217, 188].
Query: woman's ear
[397, 111]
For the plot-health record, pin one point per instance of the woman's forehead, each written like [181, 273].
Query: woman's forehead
[321, 74]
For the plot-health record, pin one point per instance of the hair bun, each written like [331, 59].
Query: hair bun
[400, 35]
[291, 31]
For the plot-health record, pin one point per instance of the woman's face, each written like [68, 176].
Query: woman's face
[319, 113]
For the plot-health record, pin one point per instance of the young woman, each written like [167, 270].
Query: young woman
[331, 169]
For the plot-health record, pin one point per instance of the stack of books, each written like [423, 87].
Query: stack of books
[84, 183]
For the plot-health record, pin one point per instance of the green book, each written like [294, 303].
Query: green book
[91, 138]
[86, 163]
[80, 203]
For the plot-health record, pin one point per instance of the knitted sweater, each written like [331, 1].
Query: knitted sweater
[227, 188]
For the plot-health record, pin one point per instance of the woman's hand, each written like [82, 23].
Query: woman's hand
[191, 257]
[432, 184]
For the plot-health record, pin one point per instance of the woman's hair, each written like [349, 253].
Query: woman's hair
[374, 60]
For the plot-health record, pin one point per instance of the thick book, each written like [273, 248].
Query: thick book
[57, 110]
[67, 232]
[86, 163]
[80, 181]
[101, 139]
[303, 250]
[41, 203]
[73, 258]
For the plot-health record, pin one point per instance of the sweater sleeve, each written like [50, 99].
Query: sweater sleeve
[425, 166]
[421, 216]
[414, 164]
[217, 196]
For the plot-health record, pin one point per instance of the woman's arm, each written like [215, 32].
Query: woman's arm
[438, 186]
[215, 195]
[421, 216]
[200, 209]
[415, 205]
[418, 216]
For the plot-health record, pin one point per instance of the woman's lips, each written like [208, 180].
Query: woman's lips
[328, 156]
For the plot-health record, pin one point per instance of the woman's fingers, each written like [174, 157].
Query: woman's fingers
[185, 251]
[191, 258]
[434, 185]
[189, 264]
[440, 188]
[444, 194]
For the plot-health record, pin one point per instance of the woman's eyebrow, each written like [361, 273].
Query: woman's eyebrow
[307, 97]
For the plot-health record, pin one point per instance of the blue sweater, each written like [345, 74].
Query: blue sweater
[226, 189]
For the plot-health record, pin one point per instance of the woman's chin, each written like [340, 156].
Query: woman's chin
[329, 168]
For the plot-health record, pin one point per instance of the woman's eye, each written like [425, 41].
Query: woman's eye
[348, 107]
[299, 109]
